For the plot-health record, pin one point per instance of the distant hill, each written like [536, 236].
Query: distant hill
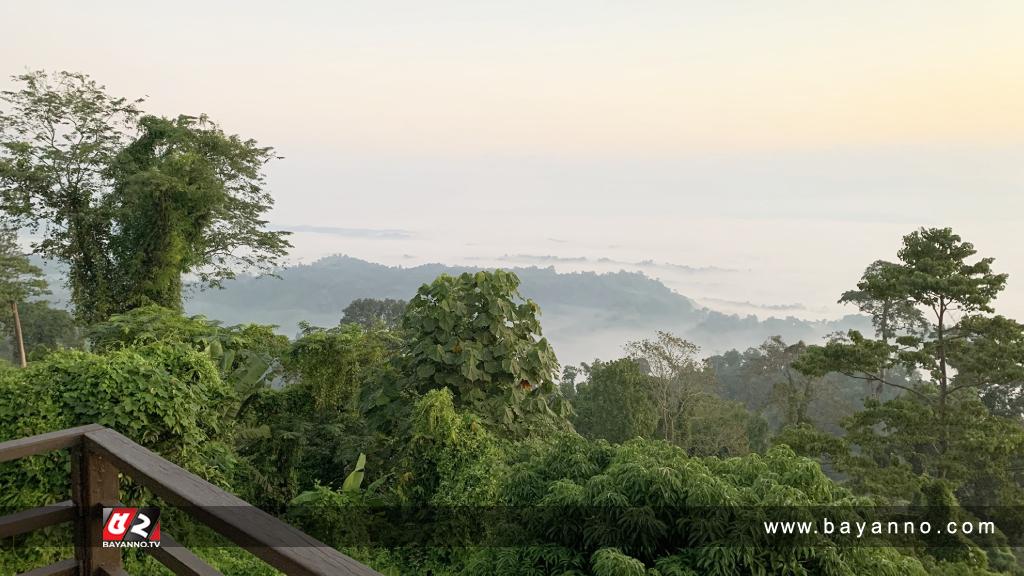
[585, 315]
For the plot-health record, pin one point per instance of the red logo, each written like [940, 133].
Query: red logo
[131, 527]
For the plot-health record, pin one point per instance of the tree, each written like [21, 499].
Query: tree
[128, 202]
[188, 198]
[935, 275]
[476, 335]
[791, 391]
[334, 364]
[678, 378]
[58, 137]
[616, 402]
[374, 312]
[567, 383]
[19, 280]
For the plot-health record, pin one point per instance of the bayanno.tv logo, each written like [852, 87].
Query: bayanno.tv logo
[131, 527]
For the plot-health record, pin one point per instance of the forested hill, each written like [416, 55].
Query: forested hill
[585, 315]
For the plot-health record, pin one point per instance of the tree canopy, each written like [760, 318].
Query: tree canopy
[130, 202]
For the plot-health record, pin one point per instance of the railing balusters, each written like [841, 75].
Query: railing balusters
[99, 454]
[94, 484]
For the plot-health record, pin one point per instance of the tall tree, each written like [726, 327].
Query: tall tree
[935, 274]
[679, 377]
[19, 280]
[58, 136]
[188, 198]
[130, 203]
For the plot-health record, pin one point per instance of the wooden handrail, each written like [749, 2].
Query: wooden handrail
[67, 567]
[36, 518]
[98, 454]
[22, 447]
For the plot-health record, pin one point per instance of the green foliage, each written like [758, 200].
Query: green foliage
[604, 509]
[989, 357]
[716, 426]
[475, 335]
[25, 412]
[615, 403]
[879, 294]
[354, 480]
[58, 136]
[450, 459]
[612, 562]
[167, 398]
[619, 401]
[246, 356]
[316, 426]
[335, 364]
[934, 275]
[890, 451]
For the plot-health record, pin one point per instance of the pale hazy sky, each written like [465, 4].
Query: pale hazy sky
[792, 141]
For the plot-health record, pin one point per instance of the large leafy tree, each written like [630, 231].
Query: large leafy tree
[620, 400]
[476, 335]
[128, 202]
[188, 198]
[881, 295]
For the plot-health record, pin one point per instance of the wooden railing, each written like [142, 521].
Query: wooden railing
[99, 454]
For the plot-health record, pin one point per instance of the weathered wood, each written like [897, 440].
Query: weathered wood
[180, 560]
[22, 447]
[266, 537]
[112, 572]
[67, 567]
[36, 518]
[94, 485]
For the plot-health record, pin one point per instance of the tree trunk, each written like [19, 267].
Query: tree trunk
[17, 335]
[943, 387]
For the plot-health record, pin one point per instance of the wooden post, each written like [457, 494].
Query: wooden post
[17, 334]
[94, 484]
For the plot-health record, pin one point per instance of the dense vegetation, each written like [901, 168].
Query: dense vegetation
[449, 414]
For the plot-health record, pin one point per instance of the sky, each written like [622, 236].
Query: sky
[758, 155]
